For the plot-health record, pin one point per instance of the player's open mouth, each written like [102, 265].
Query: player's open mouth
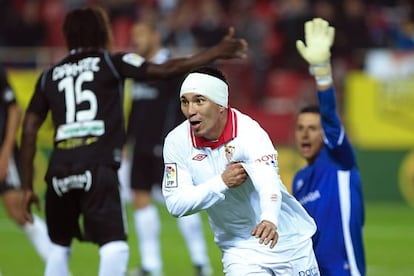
[305, 146]
[195, 124]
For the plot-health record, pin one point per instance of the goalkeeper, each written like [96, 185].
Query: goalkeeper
[329, 186]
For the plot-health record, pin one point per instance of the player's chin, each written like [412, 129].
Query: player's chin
[305, 152]
[197, 132]
[308, 155]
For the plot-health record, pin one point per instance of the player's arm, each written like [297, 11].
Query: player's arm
[9, 142]
[228, 48]
[267, 182]
[316, 50]
[182, 197]
[31, 126]
[34, 117]
[319, 37]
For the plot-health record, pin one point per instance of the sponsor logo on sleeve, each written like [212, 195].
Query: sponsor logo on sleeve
[269, 159]
[133, 59]
[170, 175]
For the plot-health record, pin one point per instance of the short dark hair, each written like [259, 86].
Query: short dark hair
[212, 71]
[87, 28]
[310, 109]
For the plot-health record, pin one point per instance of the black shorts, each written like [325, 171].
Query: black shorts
[146, 171]
[84, 203]
[12, 180]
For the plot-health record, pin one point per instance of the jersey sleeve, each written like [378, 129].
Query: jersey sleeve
[262, 167]
[182, 197]
[334, 133]
[130, 65]
[38, 103]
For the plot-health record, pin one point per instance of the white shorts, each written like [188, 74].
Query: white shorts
[303, 263]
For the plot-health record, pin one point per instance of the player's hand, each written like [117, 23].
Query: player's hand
[29, 198]
[319, 37]
[230, 47]
[234, 175]
[266, 232]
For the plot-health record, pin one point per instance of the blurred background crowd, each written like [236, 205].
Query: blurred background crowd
[271, 28]
[30, 36]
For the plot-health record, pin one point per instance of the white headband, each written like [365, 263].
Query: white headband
[211, 87]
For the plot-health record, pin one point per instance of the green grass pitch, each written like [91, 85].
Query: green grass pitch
[389, 240]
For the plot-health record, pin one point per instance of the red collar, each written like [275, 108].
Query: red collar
[229, 133]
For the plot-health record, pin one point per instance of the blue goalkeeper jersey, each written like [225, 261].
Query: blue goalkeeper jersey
[330, 190]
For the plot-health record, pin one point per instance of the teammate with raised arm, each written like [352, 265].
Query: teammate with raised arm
[222, 161]
[329, 187]
[83, 92]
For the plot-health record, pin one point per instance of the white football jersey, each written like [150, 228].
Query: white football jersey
[192, 182]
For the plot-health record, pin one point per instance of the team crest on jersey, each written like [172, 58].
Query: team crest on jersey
[229, 150]
[170, 175]
[199, 157]
[133, 59]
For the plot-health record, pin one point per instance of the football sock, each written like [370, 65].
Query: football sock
[57, 261]
[147, 227]
[38, 236]
[113, 258]
[192, 230]
[124, 173]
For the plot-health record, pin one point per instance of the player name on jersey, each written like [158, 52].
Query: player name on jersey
[74, 69]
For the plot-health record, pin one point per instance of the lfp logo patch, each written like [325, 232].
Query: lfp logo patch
[133, 59]
[170, 175]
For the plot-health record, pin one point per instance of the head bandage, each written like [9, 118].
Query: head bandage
[211, 87]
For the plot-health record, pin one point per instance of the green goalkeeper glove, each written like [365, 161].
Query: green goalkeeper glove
[319, 37]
